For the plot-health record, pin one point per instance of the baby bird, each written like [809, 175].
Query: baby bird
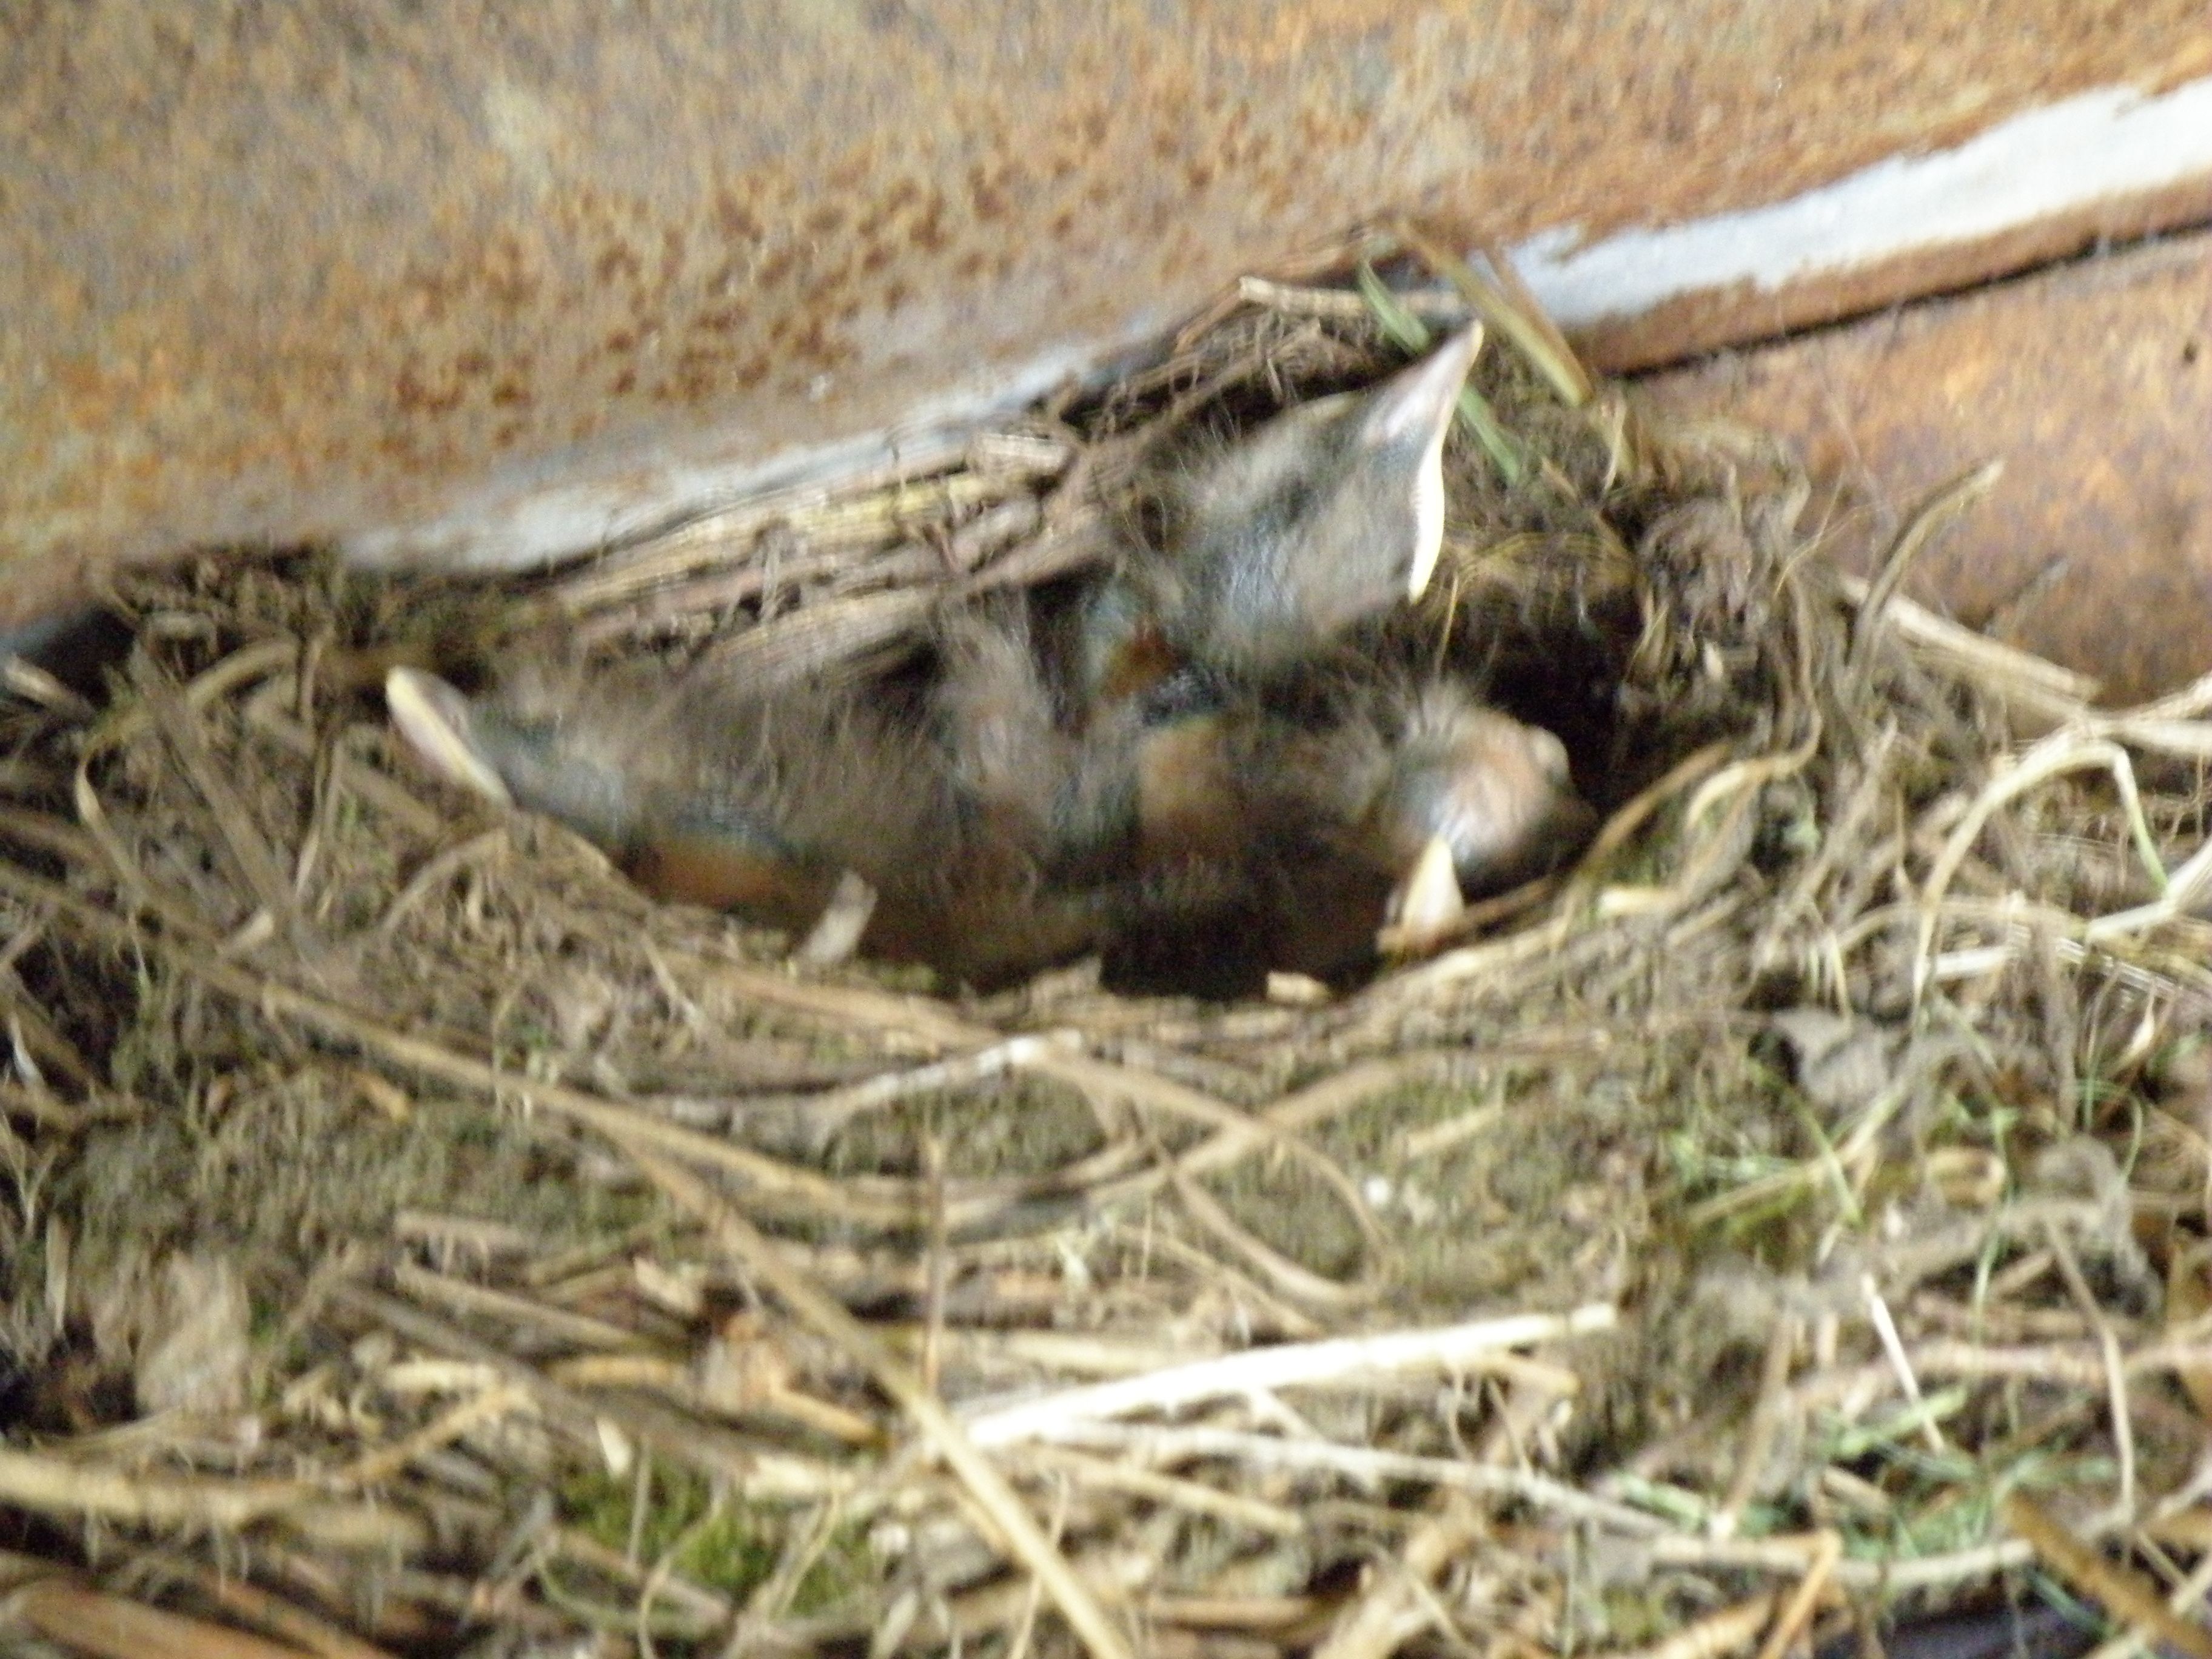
[1389, 803]
[705, 792]
[697, 791]
[1033, 804]
[1264, 551]
[1253, 829]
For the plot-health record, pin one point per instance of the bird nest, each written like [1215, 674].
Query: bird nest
[1785, 1219]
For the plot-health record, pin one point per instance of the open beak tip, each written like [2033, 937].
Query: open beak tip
[432, 719]
[1429, 900]
[1451, 362]
[1417, 583]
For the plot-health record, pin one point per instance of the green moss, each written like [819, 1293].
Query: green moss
[733, 1549]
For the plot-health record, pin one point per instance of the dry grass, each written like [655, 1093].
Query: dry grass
[1793, 1215]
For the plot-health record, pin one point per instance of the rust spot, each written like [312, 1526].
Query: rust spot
[724, 320]
[510, 394]
[2094, 550]
[734, 219]
[414, 397]
[617, 261]
[928, 233]
[509, 280]
[474, 364]
[777, 266]
[986, 196]
[624, 383]
[620, 342]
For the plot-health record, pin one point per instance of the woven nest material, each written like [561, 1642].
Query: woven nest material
[1787, 1219]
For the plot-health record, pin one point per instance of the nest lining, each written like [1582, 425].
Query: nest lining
[411, 1220]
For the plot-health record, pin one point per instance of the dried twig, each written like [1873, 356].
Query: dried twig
[997, 1500]
[2124, 1593]
[1304, 1364]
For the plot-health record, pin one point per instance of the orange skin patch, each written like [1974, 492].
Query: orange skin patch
[1189, 803]
[723, 875]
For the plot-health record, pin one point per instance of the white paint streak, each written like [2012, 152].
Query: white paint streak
[2099, 146]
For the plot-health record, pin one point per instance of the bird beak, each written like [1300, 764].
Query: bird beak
[1426, 904]
[836, 935]
[434, 719]
[1414, 409]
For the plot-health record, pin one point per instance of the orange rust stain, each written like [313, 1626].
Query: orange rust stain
[616, 263]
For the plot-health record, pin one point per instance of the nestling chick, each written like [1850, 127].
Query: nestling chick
[706, 793]
[1496, 792]
[701, 793]
[1328, 812]
[1028, 805]
[1288, 821]
[1328, 514]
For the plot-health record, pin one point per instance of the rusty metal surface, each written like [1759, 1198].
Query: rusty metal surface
[2093, 381]
[282, 273]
